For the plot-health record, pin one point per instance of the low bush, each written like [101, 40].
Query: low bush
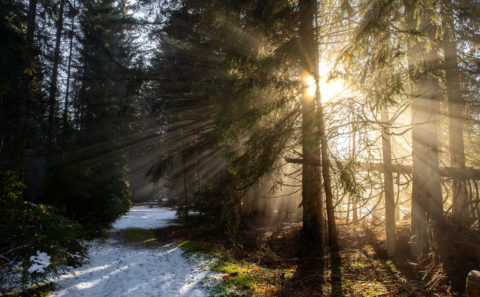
[35, 241]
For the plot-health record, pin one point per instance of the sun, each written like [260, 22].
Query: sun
[309, 86]
[330, 90]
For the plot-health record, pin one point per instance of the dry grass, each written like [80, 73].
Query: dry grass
[288, 269]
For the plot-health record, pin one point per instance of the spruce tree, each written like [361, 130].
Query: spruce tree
[91, 182]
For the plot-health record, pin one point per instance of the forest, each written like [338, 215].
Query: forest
[306, 147]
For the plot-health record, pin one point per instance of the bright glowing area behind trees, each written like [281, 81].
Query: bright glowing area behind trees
[330, 89]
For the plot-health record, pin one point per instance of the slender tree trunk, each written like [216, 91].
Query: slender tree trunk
[311, 180]
[185, 194]
[426, 187]
[456, 109]
[354, 209]
[351, 155]
[325, 160]
[67, 91]
[31, 18]
[354, 198]
[53, 84]
[327, 183]
[32, 14]
[348, 209]
[397, 201]
[388, 184]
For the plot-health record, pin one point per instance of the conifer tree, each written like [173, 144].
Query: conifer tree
[91, 184]
[456, 107]
[243, 63]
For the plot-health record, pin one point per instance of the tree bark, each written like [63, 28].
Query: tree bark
[327, 182]
[53, 84]
[185, 194]
[31, 18]
[67, 91]
[388, 184]
[311, 181]
[354, 145]
[456, 110]
[426, 187]
[325, 160]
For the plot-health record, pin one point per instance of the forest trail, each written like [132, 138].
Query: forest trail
[116, 267]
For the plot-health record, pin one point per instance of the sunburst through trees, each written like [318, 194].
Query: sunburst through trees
[324, 115]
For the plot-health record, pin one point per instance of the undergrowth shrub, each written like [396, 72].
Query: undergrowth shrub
[34, 239]
[94, 200]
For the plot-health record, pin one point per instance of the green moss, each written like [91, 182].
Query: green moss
[140, 235]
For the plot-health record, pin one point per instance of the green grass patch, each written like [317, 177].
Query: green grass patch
[42, 290]
[190, 248]
[140, 235]
[244, 281]
[237, 278]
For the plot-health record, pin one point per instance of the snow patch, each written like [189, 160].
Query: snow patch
[145, 217]
[39, 262]
[115, 269]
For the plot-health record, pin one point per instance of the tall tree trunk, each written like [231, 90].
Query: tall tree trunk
[325, 160]
[327, 183]
[388, 184]
[311, 181]
[426, 187]
[185, 194]
[69, 67]
[31, 18]
[53, 84]
[456, 109]
[347, 218]
[354, 198]
[397, 201]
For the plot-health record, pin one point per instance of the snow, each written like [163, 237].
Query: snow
[117, 269]
[144, 217]
[39, 262]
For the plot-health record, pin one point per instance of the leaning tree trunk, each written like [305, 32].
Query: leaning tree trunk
[456, 108]
[311, 181]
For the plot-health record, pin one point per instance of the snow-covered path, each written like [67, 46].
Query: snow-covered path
[115, 269]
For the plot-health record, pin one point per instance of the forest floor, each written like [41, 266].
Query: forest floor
[267, 261]
[130, 262]
[147, 253]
